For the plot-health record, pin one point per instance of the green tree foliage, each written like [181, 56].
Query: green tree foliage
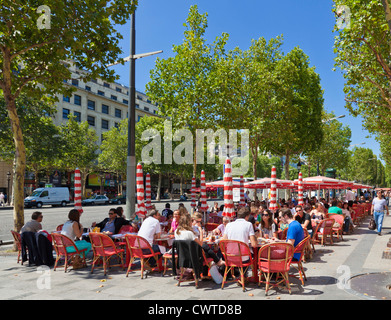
[333, 151]
[184, 84]
[80, 149]
[34, 46]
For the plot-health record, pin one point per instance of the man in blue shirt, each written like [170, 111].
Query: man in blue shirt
[295, 231]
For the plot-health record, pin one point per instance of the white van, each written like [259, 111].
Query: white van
[47, 196]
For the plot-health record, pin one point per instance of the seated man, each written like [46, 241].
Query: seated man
[34, 225]
[336, 208]
[221, 228]
[241, 229]
[304, 217]
[295, 231]
[150, 230]
[112, 224]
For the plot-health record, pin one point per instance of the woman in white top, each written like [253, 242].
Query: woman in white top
[185, 232]
[73, 230]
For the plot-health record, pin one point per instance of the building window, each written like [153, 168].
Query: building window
[125, 101]
[75, 82]
[114, 97]
[118, 113]
[105, 109]
[77, 100]
[116, 125]
[139, 118]
[118, 89]
[94, 81]
[91, 120]
[65, 113]
[137, 106]
[146, 108]
[105, 84]
[105, 124]
[101, 93]
[88, 88]
[77, 116]
[91, 105]
[66, 99]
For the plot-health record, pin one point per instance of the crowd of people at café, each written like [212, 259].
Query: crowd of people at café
[252, 221]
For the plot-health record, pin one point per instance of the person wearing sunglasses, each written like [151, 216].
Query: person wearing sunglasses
[269, 228]
[304, 218]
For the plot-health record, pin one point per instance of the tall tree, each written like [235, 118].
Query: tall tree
[183, 84]
[35, 42]
[80, 148]
[295, 126]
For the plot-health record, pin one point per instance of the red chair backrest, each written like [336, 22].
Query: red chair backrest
[17, 239]
[275, 257]
[234, 252]
[301, 246]
[216, 219]
[211, 226]
[62, 242]
[100, 242]
[328, 225]
[59, 227]
[125, 229]
[337, 218]
[136, 244]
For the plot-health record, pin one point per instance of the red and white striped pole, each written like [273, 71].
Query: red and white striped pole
[273, 190]
[148, 204]
[77, 185]
[193, 193]
[242, 202]
[141, 210]
[229, 210]
[300, 190]
[204, 204]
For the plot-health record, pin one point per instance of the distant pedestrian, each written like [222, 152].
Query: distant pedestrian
[379, 204]
[2, 203]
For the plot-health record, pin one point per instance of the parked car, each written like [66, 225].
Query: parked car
[95, 199]
[118, 200]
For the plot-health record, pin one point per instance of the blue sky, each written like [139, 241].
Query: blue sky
[304, 23]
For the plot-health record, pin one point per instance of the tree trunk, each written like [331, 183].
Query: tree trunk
[20, 164]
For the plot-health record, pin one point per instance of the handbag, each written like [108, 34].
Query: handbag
[77, 262]
[372, 224]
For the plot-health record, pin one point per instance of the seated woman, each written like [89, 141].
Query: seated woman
[268, 227]
[317, 213]
[73, 230]
[185, 231]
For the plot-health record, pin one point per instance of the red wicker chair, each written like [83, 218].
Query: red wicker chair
[235, 252]
[300, 248]
[61, 243]
[18, 242]
[324, 230]
[135, 245]
[338, 229]
[211, 226]
[275, 258]
[104, 248]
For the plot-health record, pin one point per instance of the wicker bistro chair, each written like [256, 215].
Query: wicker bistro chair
[18, 242]
[275, 258]
[338, 225]
[59, 227]
[323, 231]
[211, 226]
[104, 248]
[140, 248]
[236, 254]
[300, 248]
[62, 245]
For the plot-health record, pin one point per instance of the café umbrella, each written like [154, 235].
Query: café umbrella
[77, 199]
[148, 204]
[229, 210]
[141, 209]
[273, 190]
[193, 193]
[204, 204]
[300, 190]
[242, 202]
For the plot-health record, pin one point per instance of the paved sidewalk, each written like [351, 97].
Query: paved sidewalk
[359, 255]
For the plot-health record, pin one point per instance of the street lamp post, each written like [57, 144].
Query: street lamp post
[8, 187]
